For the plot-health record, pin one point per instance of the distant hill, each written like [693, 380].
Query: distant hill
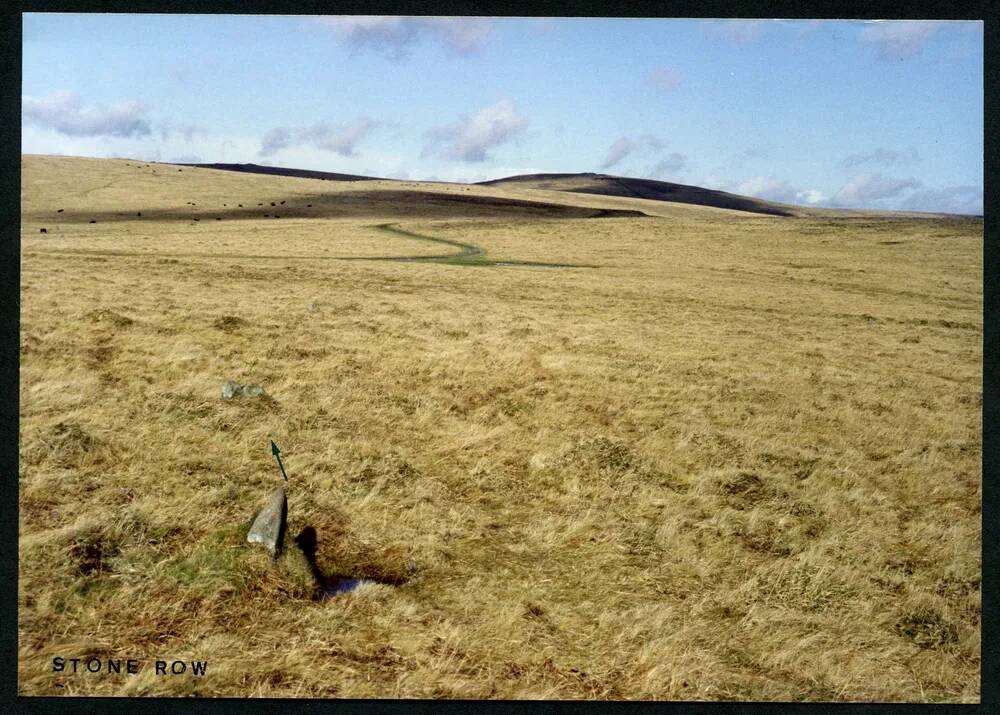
[595, 184]
[601, 184]
[282, 171]
[607, 185]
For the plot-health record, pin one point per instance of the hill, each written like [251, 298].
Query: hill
[125, 190]
[598, 184]
[607, 185]
[283, 171]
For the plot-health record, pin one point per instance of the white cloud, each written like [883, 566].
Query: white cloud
[898, 39]
[666, 79]
[771, 188]
[625, 146]
[810, 196]
[884, 157]
[872, 190]
[275, 140]
[341, 139]
[470, 138]
[670, 165]
[210, 147]
[738, 32]
[953, 199]
[621, 148]
[338, 138]
[393, 36]
[65, 113]
[188, 131]
[767, 187]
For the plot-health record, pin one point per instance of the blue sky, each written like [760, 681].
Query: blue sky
[832, 113]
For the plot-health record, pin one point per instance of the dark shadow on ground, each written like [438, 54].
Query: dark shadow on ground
[329, 585]
[397, 204]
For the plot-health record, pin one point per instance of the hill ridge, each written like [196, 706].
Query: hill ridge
[653, 189]
[581, 183]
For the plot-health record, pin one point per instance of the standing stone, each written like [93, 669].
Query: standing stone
[253, 391]
[269, 526]
[232, 389]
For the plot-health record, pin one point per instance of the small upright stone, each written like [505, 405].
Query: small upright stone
[231, 388]
[253, 391]
[269, 526]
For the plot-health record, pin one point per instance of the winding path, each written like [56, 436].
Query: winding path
[468, 255]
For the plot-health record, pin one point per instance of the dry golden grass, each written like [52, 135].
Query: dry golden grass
[738, 460]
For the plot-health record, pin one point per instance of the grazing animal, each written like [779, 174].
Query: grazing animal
[218, 218]
[309, 206]
[59, 211]
[93, 221]
[260, 204]
[240, 205]
[42, 230]
[180, 170]
[282, 203]
[272, 203]
[197, 219]
[138, 213]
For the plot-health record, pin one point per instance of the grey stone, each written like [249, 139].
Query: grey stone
[253, 391]
[269, 526]
[312, 308]
[232, 389]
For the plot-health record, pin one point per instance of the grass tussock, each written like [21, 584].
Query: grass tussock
[739, 460]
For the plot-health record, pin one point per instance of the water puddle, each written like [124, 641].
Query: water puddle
[335, 586]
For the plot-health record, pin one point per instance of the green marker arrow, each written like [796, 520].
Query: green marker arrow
[277, 455]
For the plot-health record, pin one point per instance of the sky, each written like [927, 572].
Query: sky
[863, 114]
